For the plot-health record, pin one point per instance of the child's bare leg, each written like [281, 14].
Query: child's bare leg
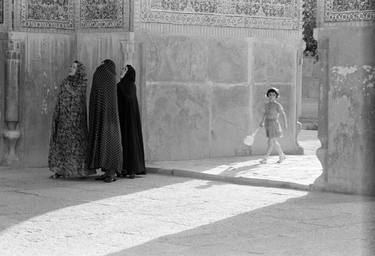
[278, 148]
[279, 151]
[270, 144]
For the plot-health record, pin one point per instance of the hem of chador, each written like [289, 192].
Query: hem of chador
[62, 173]
[125, 172]
[102, 169]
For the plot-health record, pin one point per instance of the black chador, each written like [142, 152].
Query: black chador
[104, 146]
[130, 123]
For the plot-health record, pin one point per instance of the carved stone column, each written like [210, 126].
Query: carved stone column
[11, 131]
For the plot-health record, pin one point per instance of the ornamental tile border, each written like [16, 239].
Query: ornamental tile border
[70, 15]
[2, 19]
[262, 14]
[4, 8]
[99, 15]
[45, 14]
[349, 10]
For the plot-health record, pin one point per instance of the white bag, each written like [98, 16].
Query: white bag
[249, 139]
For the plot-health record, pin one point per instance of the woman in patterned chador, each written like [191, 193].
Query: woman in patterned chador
[130, 122]
[68, 142]
[104, 142]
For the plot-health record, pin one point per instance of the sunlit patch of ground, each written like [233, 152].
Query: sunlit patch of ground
[113, 224]
[298, 169]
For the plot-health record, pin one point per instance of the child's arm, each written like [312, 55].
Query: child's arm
[261, 124]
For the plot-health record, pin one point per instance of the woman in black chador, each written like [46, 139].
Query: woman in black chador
[130, 122]
[104, 140]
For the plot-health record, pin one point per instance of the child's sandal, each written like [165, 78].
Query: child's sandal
[263, 161]
[281, 159]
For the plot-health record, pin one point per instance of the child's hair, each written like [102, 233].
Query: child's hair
[273, 89]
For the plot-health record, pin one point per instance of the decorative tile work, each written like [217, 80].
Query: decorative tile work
[272, 14]
[102, 13]
[1, 11]
[5, 14]
[58, 14]
[349, 10]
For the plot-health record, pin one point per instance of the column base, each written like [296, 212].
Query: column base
[10, 158]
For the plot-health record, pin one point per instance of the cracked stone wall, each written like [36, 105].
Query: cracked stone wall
[346, 37]
[347, 108]
[351, 142]
[202, 96]
[205, 67]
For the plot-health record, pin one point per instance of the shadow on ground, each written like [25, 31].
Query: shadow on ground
[27, 193]
[159, 216]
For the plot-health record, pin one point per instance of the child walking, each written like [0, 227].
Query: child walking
[270, 120]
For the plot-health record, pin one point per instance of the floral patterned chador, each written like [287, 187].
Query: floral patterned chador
[68, 142]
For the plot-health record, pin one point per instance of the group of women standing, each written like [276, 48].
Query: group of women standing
[113, 139]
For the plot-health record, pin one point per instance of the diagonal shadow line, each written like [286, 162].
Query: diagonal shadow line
[279, 229]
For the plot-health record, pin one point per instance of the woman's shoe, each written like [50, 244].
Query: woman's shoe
[55, 176]
[123, 174]
[109, 179]
[131, 176]
[263, 161]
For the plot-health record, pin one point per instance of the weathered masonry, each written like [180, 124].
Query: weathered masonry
[206, 67]
[203, 68]
[346, 37]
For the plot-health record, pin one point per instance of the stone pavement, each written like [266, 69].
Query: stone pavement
[296, 172]
[161, 215]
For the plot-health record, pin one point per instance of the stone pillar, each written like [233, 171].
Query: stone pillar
[346, 116]
[295, 126]
[11, 131]
[323, 109]
[301, 47]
